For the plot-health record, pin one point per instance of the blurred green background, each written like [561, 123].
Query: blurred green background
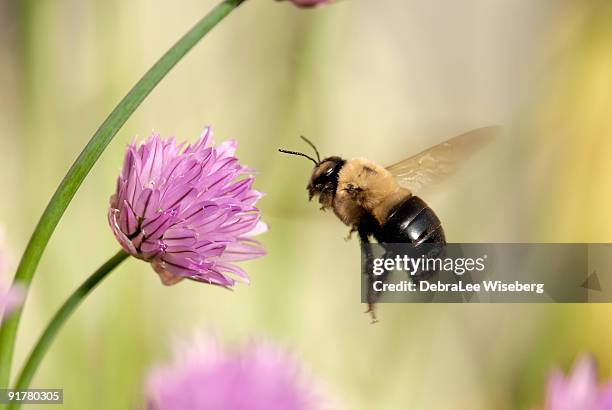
[379, 78]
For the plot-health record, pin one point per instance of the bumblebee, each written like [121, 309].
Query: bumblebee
[379, 202]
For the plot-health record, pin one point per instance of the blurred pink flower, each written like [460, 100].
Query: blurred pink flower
[11, 297]
[189, 211]
[578, 391]
[309, 3]
[205, 376]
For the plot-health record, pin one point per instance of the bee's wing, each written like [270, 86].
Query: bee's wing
[439, 161]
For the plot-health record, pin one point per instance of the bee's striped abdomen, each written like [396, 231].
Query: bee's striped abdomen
[412, 221]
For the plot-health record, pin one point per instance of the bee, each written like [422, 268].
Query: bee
[380, 202]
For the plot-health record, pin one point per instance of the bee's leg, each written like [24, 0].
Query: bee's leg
[367, 269]
[350, 234]
[372, 311]
[374, 295]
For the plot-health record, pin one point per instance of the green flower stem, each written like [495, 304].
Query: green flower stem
[60, 317]
[83, 164]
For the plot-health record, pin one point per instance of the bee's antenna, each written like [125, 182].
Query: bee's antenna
[300, 154]
[313, 147]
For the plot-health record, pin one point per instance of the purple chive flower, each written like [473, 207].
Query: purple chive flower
[578, 391]
[205, 376]
[190, 211]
